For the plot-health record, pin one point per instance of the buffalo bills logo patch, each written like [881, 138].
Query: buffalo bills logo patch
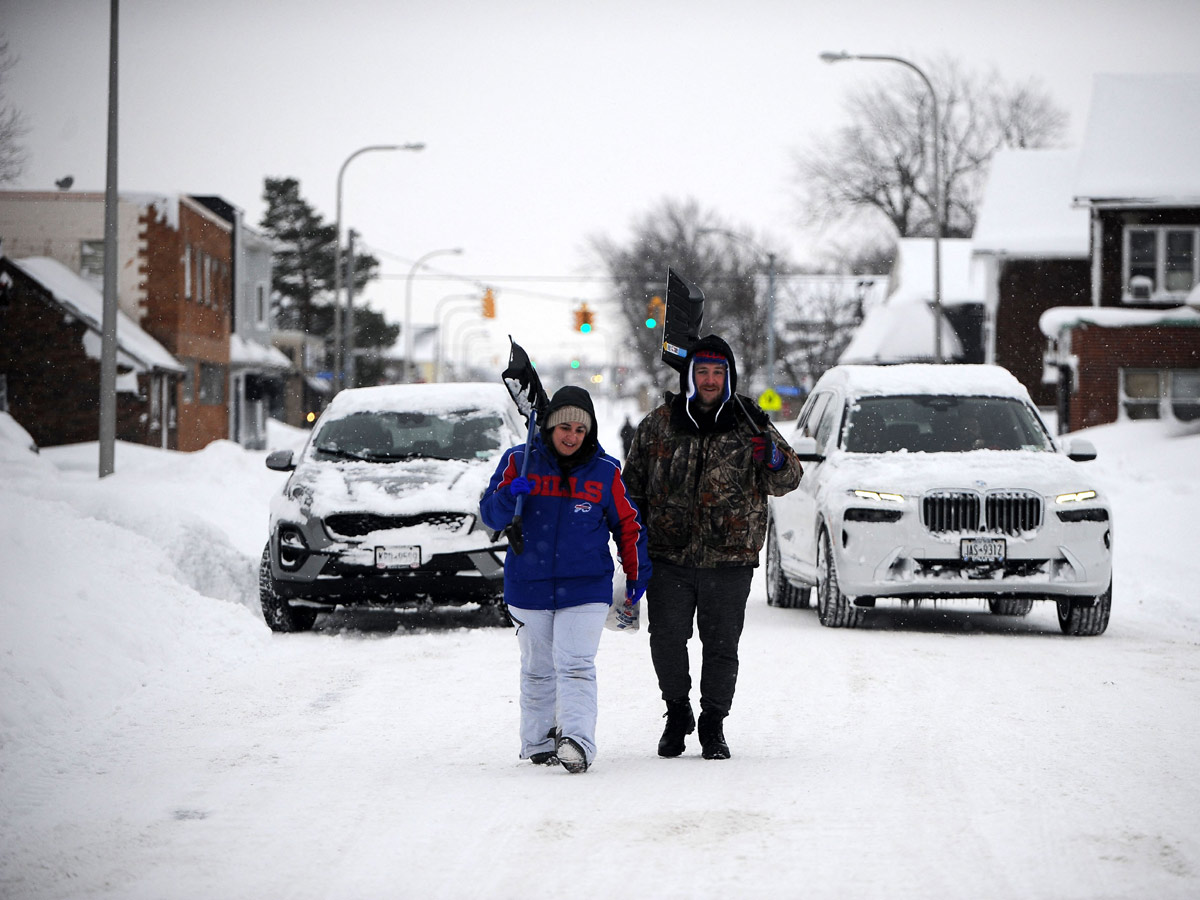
[583, 507]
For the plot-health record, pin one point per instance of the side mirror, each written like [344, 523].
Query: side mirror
[280, 461]
[805, 447]
[1080, 449]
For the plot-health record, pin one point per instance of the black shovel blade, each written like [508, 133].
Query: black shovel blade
[522, 381]
[681, 324]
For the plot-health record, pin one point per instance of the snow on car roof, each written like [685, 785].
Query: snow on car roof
[925, 378]
[421, 397]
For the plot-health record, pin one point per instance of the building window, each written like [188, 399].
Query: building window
[187, 387]
[187, 272]
[212, 384]
[1160, 262]
[91, 261]
[1160, 394]
[1185, 394]
[260, 304]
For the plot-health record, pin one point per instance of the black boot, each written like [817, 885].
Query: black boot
[712, 736]
[680, 723]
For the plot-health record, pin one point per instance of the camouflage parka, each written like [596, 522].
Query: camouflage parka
[700, 492]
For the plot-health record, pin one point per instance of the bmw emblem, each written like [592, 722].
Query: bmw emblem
[980, 483]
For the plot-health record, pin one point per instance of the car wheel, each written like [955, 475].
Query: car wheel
[1085, 617]
[495, 612]
[280, 615]
[1010, 607]
[833, 606]
[780, 591]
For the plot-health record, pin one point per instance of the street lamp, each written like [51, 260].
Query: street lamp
[770, 294]
[473, 299]
[338, 347]
[938, 214]
[408, 332]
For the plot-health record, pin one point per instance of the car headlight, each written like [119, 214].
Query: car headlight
[1077, 497]
[879, 495]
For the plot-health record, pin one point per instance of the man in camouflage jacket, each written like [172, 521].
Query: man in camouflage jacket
[700, 474]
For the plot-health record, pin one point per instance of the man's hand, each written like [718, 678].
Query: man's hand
[634, 591]
[766, 453]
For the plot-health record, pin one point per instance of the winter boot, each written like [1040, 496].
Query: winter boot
[712, 736]
[680, 723]
[571, 755]
[546, 757]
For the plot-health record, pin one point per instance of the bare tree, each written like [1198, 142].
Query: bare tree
[881, 162]
[728, 264]
[12, 125]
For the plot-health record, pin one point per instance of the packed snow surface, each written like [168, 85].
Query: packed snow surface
[158, 741]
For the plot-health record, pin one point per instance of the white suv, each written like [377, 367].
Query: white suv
[938, 482]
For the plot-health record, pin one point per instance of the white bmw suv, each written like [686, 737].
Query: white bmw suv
[938, 482]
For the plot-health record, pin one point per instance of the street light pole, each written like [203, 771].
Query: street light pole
[408, 331]
[938, 212]
[437, 318]
[338, 348]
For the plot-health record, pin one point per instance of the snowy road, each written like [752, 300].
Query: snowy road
[932, 753]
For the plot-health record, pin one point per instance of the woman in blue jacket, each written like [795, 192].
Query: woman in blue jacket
[560, 588]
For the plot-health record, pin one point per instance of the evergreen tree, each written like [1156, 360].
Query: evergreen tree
[303, 280]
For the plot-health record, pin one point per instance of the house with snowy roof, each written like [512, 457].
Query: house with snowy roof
[174, 280]
[51, 322]
[1032, 243]
[900, 329]
[1135, 353]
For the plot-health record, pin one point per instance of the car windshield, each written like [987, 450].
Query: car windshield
[942, 424]
[384, 436]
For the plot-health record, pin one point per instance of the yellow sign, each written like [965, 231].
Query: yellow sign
[770, 401]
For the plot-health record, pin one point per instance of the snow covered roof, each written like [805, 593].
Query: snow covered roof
[921, 378]
[1055, 320]
[251, 353]
[135, 348]
[1142, 140]
[1027, 208]
[901, 328]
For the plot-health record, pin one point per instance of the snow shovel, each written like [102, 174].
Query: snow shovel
[525, 388]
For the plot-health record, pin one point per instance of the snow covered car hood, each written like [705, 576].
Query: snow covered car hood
[914, 473]
[394, 488]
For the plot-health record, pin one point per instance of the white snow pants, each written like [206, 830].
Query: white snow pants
[558, 675]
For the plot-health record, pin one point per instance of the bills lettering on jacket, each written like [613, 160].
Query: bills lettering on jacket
[557, 486]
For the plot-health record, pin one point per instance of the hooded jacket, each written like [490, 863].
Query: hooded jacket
[694, 476]
[575, 504]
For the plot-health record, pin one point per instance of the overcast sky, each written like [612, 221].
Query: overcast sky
[545, 123]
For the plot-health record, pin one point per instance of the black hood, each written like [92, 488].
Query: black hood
[717, 345]
[572, 395]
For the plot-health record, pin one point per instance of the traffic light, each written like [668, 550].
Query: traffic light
[489, 304]
[655, 311]
[583, 319]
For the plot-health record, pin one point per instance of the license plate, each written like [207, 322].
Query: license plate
[982, 549]
[397, 557]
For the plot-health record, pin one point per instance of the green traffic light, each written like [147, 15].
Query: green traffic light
[651, 322]
[585, 327]
[574, 364]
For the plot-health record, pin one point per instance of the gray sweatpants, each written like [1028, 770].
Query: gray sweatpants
[558, 675]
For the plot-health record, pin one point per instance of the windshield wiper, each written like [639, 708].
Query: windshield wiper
[346, 454]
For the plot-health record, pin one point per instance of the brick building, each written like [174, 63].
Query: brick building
[174, 281]
[50, 342]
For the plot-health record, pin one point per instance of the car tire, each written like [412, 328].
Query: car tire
[834, 608]
[780, 591]
[1085, 618]
[278, 613]
[1007, 606]
[495, 612]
